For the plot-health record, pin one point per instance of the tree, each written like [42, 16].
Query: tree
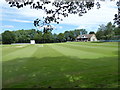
[55, 38]
[117, 31]
[61, 8]
[47, 37]
[79, 31]
[117, 16]
[92, 32]
[100, 34]
[66, 35]
[8, 37]
[61, 37]
[0, 39]
[107, 32]
[38, 37]
[71, 35]
[24, 36]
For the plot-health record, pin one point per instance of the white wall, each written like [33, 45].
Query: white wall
[32, 41]
[93, 38]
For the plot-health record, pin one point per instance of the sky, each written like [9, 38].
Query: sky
[13, 19]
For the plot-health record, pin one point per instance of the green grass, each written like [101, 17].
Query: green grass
[61, 65]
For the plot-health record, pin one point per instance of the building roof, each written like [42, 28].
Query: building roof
[85, 36]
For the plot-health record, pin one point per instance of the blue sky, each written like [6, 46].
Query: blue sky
[16, 19]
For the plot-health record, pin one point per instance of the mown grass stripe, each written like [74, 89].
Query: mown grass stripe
[20, 53]
[46, 51]
[59, 65]
[68, 51]
[101, 50]
[108, 45]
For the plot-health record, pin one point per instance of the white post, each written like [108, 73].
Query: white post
[32, 42]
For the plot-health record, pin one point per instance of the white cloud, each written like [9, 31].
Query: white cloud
[94, 17]
[25, 12]
[8, 26]
[90, 20]
[31, 13]
[23, 21]
[60, 27]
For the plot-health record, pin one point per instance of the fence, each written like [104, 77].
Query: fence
[109, 40]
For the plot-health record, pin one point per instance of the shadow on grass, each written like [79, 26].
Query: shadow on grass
[98, 42]
[60, 72]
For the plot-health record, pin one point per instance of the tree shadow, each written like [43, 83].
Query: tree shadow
[60, 72]
[98, 42]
